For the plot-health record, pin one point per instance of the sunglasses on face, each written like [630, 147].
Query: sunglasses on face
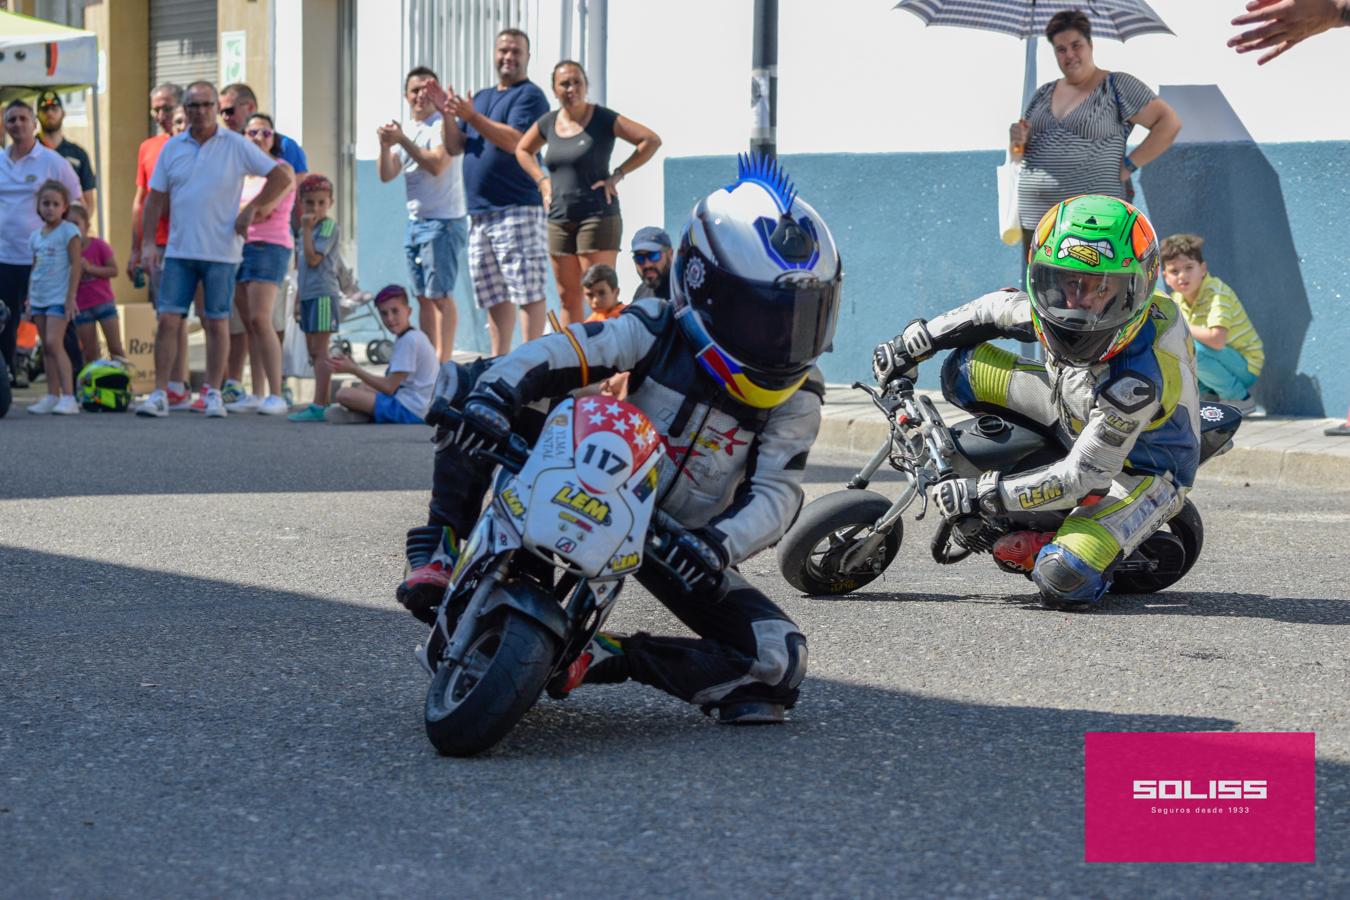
[649, 257]
[259, 132]
[46, 106]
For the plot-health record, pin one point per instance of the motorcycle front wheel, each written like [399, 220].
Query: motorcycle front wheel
[471, 706]
[811, 554]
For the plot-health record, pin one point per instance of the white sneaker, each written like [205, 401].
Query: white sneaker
[43, 406]
[273, 406]
[215, 407]
[246, 403]
[154, 406]
[66, 406]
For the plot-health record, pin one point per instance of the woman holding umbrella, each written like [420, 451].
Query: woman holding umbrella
[1071, 137]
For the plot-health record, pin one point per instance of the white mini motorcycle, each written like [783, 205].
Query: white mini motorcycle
[583, 503]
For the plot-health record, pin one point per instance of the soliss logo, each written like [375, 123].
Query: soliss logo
[1232, 789]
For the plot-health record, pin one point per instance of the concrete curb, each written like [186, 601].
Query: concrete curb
[1290, 452]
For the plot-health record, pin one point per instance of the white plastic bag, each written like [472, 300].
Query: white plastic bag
[1009, 221]
[295, 361]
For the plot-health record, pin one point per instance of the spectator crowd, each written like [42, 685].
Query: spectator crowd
[229, 224]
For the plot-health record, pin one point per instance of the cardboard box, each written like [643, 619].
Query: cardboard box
[138, 337]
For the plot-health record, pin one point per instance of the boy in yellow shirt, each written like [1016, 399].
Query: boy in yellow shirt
[1228, 351]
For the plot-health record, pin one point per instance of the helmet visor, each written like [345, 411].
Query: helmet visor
[779, 328]
[1087, 302]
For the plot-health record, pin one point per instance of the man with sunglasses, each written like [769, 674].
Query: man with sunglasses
[200, 176]
[52, 115]
[238, 103]
[652, 253]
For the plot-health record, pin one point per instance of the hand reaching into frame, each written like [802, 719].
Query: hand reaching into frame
[1280, 24]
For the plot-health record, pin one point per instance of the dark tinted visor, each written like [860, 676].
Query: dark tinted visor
[1085, 301]
[780, 327]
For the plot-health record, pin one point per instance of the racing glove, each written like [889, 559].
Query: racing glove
[900, 356]
[958, 497]
[485, 423]
[697, 558]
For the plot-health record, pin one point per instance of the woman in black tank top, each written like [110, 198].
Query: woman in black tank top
[580, 190]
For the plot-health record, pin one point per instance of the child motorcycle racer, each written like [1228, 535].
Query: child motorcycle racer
[1117, 388]
[725, 372]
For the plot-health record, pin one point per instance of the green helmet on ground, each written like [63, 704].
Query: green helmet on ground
[1090, 274]
[104, 386]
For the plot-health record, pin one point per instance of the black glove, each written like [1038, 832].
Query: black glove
[484, 424]
[900, 356]
[959, 497]
[696, 557]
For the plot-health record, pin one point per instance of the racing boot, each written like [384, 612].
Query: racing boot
[432, 553]
[1016, 551]
[591, 666]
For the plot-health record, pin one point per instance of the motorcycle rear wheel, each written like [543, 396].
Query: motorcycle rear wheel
[471, 706]
[1190, 530]
[809, 554]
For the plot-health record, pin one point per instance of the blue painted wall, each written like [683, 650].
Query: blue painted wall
[380, 221]
[918, 236]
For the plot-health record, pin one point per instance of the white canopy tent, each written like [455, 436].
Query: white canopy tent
[36, 55]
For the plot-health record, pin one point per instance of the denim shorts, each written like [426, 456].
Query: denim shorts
[56, 309]
[96, 314]
[179, 283]
[434, 248]
[265, 262]
[388, 411]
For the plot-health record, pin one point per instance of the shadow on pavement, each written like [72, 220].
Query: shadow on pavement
[163, 734]
[189, 454]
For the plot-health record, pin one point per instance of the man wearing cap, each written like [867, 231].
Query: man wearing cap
[51, 115]
[652, 253]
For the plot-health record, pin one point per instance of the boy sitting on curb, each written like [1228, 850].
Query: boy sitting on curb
[1228, 351]
[402, 395]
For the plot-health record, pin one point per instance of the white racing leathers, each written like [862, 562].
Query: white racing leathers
[734, 476]
[1130, 425]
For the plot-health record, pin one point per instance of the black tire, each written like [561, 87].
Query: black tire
[379, 351]
[1190, 530]
[472, 706]
[807, 554]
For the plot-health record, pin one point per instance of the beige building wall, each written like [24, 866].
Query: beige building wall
[123, 29]
[254, 18]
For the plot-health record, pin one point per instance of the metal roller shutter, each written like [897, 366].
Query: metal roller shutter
[183, 41]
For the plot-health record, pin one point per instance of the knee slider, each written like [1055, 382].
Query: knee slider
[1061, 575]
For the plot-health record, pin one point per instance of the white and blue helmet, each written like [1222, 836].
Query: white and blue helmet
[756, 283]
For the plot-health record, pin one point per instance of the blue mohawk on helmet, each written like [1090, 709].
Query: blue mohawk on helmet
[763, 170]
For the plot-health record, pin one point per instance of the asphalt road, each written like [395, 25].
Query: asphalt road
[208, 689]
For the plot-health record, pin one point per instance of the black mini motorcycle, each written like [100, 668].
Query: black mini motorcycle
[845, 539]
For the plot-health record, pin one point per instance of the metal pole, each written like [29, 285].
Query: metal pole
[597, 24]
[764, 80]
[1029, 74]
[582, 28]
[565, 44]
[102, 199]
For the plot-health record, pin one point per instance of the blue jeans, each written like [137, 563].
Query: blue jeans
[179, 283]
[434, 247]
[1223, 372]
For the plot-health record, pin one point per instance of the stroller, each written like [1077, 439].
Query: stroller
[355, 306]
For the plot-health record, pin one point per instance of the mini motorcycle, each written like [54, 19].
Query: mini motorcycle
[542, 568]
[845, 539]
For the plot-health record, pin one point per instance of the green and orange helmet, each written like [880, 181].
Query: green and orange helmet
[1090, 273]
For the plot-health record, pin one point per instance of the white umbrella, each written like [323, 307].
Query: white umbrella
[1116, 20]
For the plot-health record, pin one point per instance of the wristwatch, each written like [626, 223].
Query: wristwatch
[1129, 165]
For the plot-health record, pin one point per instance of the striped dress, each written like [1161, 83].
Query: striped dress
[1081, 153]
